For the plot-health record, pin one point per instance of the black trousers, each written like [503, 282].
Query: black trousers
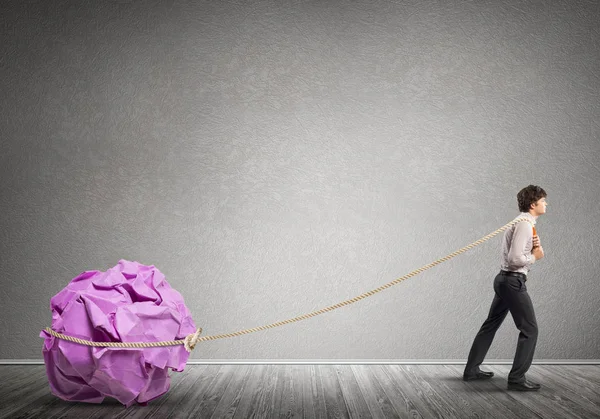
[511, 295]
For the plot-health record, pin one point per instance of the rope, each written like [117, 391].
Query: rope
[191, 340]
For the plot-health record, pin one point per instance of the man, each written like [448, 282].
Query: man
[520, 249]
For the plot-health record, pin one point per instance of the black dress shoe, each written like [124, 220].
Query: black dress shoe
[480, 375]
[524, 386]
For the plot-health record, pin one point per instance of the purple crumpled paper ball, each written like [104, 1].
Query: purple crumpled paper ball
[130, 302]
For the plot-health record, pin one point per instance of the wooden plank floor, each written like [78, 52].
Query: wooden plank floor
[324, 391]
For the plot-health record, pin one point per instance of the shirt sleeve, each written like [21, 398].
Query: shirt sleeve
[518, 256]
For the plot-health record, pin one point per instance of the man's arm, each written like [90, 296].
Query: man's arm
[517, 256]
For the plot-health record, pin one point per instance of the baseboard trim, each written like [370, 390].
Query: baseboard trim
[345, 362]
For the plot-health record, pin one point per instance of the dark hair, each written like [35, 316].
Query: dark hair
[529, 195]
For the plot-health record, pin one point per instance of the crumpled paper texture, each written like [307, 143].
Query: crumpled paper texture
[130, 302]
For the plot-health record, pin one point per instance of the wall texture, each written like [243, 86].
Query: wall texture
[272, 158]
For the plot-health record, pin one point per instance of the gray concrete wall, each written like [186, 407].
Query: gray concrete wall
[274, 158]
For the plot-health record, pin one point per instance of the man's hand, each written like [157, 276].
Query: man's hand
[538, 252]
[536, 241]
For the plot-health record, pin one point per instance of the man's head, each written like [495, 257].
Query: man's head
[532, 199]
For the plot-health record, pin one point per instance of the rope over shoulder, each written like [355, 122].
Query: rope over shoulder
[192, 339]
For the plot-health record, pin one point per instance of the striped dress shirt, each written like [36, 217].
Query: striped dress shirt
[517, 244]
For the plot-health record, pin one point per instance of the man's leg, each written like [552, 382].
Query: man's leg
[521, 309]
[485, 336]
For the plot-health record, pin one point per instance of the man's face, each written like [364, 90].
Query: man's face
[540, 206]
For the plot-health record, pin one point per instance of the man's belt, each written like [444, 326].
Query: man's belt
[515, 274]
